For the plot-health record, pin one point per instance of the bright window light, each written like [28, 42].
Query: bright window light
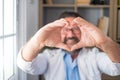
[1, 17]
[1, 59]
[8, 17]
[7, 38]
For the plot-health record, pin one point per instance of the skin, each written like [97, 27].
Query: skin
[70, 39]
[70, 34]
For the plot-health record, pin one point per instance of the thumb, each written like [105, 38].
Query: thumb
[77, 46]
[63, 46]
[57, 23]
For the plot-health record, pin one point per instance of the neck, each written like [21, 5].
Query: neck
[74, 54]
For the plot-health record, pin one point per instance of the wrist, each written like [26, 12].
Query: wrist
[103, 45]
[31, 50]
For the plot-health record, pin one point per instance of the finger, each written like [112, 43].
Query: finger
[86, 26]
[58, 23]
[79, 19]
[52, 26]
[77, 46]
[82, 22]
[61, 20]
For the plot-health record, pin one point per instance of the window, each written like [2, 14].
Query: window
[7, 38]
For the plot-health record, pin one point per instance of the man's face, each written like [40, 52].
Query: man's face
[70, 34]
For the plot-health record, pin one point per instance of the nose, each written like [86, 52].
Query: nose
[70, 33]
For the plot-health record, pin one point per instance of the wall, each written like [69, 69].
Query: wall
[32, 17]
[27, 26]
[32, 25]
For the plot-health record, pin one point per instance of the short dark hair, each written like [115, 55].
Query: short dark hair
[69, 14]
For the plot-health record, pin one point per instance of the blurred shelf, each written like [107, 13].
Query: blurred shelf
[58, 5]
[93, 6]
[77, 5]
[118, 6]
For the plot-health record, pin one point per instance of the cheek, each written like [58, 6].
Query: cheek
[62, 37]
[78, 35]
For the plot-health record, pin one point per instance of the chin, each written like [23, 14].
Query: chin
[70, 45]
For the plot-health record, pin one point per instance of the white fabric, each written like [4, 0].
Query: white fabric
[91, 64]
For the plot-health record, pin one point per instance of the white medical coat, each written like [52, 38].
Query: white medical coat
[91, 63]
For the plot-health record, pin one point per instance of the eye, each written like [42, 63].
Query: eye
[75, 28]
[65, 29]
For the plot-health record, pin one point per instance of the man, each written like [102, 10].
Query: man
[67, 49]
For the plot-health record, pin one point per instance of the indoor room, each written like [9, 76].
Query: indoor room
[61, 30]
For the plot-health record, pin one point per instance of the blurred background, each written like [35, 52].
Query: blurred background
[20, 19]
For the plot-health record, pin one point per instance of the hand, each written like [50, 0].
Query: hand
[90, 34]
[49, 35]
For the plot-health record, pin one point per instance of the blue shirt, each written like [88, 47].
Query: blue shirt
[72, 72]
